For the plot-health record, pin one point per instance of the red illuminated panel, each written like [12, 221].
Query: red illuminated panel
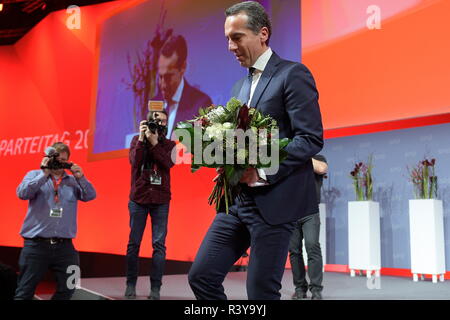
[401, 71]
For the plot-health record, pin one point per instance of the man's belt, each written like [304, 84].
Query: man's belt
[49, 240]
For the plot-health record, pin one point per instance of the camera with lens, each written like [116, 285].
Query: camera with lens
[53, 162]
[154, 125]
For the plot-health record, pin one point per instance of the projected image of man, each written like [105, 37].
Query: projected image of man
[181, 100]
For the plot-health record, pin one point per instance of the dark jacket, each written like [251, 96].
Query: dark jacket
[159, 158]
[287, 92]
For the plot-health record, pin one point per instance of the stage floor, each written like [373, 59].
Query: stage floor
[337, 286]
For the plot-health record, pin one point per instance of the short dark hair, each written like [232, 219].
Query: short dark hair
[257, 16]
[61, 147]
[150, 114]
[178, 45]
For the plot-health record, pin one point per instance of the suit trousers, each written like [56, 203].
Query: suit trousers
[228, 238]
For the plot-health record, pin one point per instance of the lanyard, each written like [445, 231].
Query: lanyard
[56, 184]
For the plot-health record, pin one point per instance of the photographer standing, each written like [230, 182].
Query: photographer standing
[51, 222]
[150, 158]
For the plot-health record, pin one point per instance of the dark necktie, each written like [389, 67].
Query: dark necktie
[169, 104]
[244, 94]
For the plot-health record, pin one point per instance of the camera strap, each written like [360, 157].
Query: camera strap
[56, 184]
[145, 158]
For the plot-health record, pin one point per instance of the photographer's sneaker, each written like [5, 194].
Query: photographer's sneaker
[130, 292]
[316, 295]
[299, 295]
[154, 294]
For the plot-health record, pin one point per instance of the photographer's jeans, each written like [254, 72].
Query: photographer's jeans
[38, 257]
[138, 218]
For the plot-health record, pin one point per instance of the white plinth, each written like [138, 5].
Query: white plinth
[426, 227]
[322, 236]
[323, 231]
[364, 237]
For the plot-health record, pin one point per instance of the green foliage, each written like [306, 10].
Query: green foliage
[362, 180]
[424, 179]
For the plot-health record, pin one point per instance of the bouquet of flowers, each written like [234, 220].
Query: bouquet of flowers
[362, 180]
[233, 137]
[424, 179]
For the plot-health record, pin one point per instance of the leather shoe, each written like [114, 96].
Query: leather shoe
[316, 296]
[130, 292]
[299, 295]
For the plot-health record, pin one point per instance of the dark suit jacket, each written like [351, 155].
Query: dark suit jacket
[191, 100]
[287, 92]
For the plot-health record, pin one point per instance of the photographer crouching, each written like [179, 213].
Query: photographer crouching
[51, 222]
[150, 158]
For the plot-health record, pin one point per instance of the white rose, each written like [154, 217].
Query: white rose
[228, 125]
[209, 132]
[215, 131]
[215, 113]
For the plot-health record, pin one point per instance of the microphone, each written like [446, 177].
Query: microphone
[50, 152]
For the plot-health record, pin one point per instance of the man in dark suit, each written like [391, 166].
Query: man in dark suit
[181, 100]
[264, 214]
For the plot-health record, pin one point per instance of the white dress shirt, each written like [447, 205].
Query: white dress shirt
[259, 66]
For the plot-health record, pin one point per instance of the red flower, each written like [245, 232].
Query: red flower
[204, 122]
[244, 118]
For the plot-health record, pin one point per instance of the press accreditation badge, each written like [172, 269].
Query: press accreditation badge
[56, 212]
[155, 178]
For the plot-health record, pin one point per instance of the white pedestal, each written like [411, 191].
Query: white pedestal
[364, 237]
[323, 231]
[322, 236]
[426, 227]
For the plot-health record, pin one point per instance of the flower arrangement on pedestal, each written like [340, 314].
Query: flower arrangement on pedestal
[362, 180]
[424, 179]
